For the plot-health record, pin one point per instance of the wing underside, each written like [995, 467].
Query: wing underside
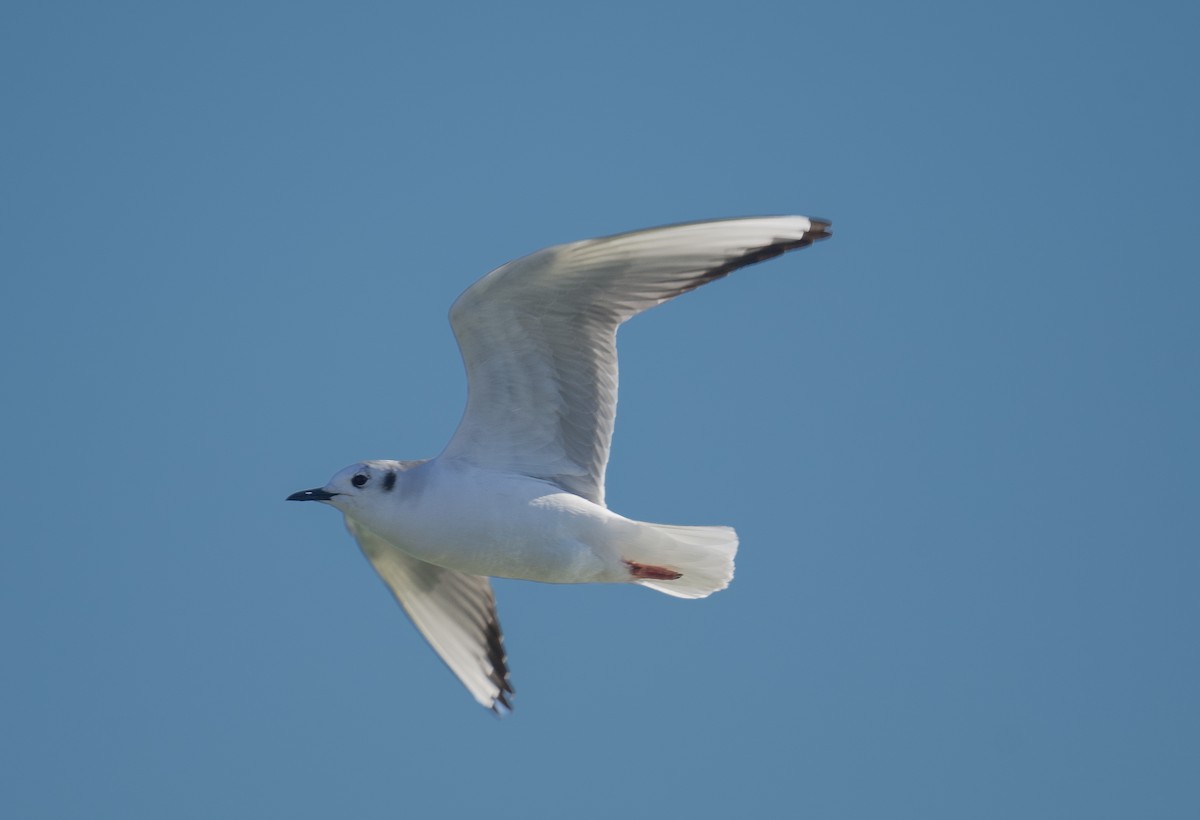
[455, 612]
[538, 338]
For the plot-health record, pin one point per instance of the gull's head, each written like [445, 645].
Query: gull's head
[355, 485]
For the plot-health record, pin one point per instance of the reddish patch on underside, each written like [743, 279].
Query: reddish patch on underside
[651, 572]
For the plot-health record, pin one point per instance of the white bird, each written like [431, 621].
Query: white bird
[519, 490]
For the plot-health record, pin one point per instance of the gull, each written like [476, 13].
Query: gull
[519, 490]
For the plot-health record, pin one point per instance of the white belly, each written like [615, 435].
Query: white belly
[487, 523]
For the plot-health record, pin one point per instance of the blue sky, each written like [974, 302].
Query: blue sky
[958, 440]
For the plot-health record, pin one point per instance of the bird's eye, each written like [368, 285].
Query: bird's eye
[359, 480]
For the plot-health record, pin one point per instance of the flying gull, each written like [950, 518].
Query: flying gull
[519, 490]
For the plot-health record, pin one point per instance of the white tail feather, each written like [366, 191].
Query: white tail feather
[702, 555]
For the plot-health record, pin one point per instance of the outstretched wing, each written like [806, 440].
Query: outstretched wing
[455, 612]
[538, 337]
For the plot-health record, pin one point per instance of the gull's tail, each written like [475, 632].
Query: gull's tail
[687, 562]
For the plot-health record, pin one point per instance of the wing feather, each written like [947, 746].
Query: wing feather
[454, 611]
[538, 338]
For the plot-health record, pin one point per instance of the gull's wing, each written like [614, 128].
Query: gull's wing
[538, 337]
[455, 612]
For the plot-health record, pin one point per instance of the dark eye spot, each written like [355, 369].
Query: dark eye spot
[359, 480]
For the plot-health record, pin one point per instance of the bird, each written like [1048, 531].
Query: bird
[518, 492]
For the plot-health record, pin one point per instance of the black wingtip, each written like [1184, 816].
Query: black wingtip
[817, 231]
[502, 704]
